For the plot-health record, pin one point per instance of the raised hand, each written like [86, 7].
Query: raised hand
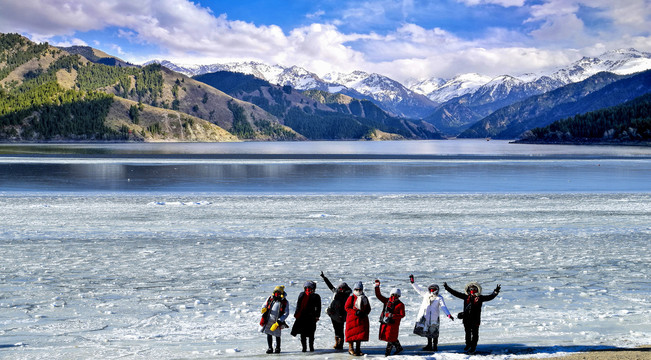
[411, 278]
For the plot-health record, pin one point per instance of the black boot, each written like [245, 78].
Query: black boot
[277, 351]
[340, 344]
[435, 344]
[387, 352]
[358, 351]
[311, 343]
[270, 350]
[398, 347]
[429, 345]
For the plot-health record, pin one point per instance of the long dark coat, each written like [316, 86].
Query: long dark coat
[306, 317]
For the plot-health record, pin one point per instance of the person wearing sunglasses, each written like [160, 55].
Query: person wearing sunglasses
[471, 315]
[428, 322]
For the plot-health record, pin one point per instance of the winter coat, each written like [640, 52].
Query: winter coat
[278, 311]
[337, 310]
[429, 308]
[472, 303]
[394, 311]
[307, 316]
[357, 326]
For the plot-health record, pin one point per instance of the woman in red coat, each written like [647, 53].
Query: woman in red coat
[357, 326]
[392, 313]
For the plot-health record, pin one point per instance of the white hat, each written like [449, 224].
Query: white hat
[395, 291]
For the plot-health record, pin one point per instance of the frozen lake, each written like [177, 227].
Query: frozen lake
[113, 252]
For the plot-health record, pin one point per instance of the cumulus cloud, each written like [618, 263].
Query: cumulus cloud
[189, 33]
[315, 15]
[505, 3]
[70, 42]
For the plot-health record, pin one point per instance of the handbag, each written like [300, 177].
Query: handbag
[421, 326]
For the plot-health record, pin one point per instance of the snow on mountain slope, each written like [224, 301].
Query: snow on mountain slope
[457, 86]
[620, 62]
[421, 97]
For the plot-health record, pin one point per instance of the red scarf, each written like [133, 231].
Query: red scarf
[302, 305]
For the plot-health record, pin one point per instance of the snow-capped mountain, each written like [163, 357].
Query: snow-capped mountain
[442, 91]
[388, 93]
[482, 93]
[620, 62]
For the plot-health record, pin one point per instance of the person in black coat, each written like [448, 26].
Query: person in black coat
[308, 312]
[471, 315]
[337, 311]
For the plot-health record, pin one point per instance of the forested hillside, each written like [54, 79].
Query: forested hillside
[49, 94]
[317, 114]
[523, 115]
[629, 122]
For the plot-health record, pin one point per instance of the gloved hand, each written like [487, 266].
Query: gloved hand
[445, 285]
[411, 278]
[498, 288]
[322, 274]
[377, 283]
[274, 326]
[264, 310]
[451, 317]
[358, 313]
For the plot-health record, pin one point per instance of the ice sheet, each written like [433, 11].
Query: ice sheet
[184, 276]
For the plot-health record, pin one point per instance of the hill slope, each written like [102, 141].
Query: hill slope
[625, 123]
[318, 114]
[49, 94]
[599, 91]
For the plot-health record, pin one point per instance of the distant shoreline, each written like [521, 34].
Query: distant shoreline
[639, 353]
[582, 142]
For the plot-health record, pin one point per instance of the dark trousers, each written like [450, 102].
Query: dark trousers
[339, 328]
[305, 339]
[270, 341]
[472, 334]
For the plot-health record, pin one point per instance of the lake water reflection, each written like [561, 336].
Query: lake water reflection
[456, 166]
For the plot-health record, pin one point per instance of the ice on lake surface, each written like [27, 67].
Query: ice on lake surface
[184, 275]
[167, 251]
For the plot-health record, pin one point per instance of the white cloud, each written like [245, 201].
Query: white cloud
[70, 42]
[505, 3]
[189, 33]
[315, 15]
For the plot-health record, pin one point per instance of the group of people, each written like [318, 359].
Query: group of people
[349, 310]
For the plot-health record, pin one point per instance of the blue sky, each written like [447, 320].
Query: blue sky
[401, 39]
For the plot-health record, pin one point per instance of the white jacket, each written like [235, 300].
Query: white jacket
[429, 308]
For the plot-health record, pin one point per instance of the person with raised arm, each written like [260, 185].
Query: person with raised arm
[336, 310]
[392, 313]
[471, 315]
[427, 323]
[357, 324]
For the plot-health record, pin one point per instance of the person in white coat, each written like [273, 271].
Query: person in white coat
[427, 321]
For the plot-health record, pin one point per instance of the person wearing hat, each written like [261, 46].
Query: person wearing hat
[357, 325]
[471, 315]
[274, 312]
[307, 314]
[336, 310]
[428, 321]
[392, 313]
